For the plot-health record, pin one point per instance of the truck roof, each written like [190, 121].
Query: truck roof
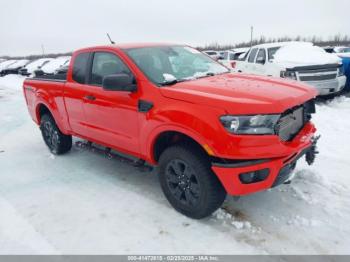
[277, 44]
[128, 45]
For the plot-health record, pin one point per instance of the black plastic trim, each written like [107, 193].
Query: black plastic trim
[144, 106]
[238, 163]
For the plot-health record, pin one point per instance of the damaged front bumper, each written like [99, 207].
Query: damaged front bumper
[242, 177]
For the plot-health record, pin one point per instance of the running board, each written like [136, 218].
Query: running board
[140, 164]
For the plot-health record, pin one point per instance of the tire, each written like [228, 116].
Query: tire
[57, 142]
[188, 182]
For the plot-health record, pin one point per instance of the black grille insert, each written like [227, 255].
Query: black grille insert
[290, 123]
[317, 77]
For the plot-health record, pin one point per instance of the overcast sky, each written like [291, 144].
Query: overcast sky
[63, 25]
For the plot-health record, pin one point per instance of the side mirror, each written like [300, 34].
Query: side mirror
[260, 60]
[119, 82]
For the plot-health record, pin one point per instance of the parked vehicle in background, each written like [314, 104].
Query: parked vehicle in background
[34, 65]
[62, 70]
[15, 67]
[210, 132]
[346, 68]
[213, 54]
[6, 64]
[55, 64]
[296, 61]
[342, 51]
[229, 57]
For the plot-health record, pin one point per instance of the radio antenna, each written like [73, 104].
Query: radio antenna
[110, 39]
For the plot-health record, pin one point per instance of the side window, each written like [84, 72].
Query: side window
[79, 68]
[232, 57]
[225, 55]
[252, 54]
[261, 57]
[105, 64]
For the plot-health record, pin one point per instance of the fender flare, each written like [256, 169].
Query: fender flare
[153, 136]
[52, 108]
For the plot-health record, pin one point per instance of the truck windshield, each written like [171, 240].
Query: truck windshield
[165, 65]
[272, 51]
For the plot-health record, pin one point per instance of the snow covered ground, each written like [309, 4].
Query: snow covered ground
[83, 202]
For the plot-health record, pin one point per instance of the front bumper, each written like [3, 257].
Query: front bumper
[330, 86]
[280, 168]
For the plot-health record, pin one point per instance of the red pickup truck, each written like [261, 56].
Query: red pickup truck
[209, 132]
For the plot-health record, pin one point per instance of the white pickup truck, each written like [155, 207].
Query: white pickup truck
[299, 61]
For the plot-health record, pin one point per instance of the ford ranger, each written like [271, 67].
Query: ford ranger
[208, 131]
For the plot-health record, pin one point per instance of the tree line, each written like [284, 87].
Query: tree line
[336, 40]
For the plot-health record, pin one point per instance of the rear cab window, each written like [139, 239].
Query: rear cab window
[272, 51]
[80, 67]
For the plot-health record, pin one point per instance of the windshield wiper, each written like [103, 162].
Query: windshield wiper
[169, 83]
[206, 75]
[173, 82]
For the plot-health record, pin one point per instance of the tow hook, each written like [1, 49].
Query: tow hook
[312, 152]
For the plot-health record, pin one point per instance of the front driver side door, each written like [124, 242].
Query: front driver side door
[111, 116]
[260, 62]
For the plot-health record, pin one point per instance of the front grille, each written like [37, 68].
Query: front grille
[318, 74]
[291, 123]
[317, 77]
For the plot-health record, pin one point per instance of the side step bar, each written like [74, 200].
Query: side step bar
[140, 164]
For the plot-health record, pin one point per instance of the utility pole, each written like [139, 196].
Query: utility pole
[251, 36]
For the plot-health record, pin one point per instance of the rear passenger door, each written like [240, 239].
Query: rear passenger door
[111, 116]
[74, 92]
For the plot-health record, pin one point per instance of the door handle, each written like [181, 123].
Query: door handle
[90, 97]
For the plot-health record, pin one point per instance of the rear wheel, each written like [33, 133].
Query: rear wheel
[57, 142]
[188, 182]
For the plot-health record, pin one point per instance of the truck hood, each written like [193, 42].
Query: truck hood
[301, 54]
[242, 94]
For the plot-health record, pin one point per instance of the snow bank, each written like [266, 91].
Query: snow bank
[299, 54]
[11, 82]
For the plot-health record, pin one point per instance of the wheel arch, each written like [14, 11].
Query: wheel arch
[169, 137]
[41, 109]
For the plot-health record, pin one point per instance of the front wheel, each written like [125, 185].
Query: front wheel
[188, 182]
[57, 142]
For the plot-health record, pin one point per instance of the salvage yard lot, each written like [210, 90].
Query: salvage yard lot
[84, 202]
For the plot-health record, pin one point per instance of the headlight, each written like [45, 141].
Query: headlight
[288, 74]
[341, 70]
[250, 125]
